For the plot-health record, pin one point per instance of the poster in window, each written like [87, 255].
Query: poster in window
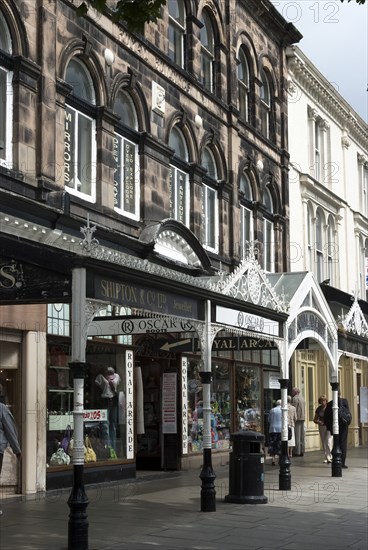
[169, 403]
[129, 177]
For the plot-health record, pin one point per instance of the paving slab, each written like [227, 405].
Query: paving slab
[162, 511]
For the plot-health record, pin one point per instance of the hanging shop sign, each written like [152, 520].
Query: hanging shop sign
[141, 297]
[122, 325]
[26, 283]
[247, 321]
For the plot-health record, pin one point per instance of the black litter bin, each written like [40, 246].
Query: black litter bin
[246, 476]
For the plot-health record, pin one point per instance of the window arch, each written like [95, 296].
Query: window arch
[207, 39]
[210, 201]
[265, 105]
[268, 233]
[179, 177]
[177, 17]
[80, 128]
[6, 95]
[126, 175]
[243, 85]
[246, 212]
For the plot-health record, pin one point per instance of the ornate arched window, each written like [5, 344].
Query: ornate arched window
[210, 201]
[6, 95]
[126, 176]
[179, 178]
[243, 85]
[80, 129]
[177, 31]
[207, 53]
[246, 213]
[268, 233]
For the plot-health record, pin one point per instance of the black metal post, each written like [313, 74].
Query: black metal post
[336, 470]
[207, 475]
[284, 463]
[78, 501]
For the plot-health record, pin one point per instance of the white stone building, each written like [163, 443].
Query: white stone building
[328, 143]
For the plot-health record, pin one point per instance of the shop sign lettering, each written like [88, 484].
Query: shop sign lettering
[11, 275]
[184, 400]
[130, 295]
[129, 403]
[114, 326]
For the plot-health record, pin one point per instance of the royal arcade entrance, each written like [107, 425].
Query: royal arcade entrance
[162, 318]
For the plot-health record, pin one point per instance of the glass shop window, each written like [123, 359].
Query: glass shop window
[248, 398]
[105, 404]
[220, 407]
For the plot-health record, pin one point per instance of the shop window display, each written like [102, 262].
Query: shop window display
[104, 398]
[247, 386]
[220, 407]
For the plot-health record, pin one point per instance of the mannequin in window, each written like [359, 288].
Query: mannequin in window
[108, 384]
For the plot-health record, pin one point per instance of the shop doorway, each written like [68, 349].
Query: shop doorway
[157, 438]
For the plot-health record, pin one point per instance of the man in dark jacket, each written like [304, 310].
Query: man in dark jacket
[8, 434]
[343, 425]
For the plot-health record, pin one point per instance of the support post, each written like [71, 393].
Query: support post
[336, 470]
[208, 492]
[284, 471]
[78, 501]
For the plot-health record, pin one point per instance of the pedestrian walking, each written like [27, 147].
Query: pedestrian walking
[324, 433]
[8, 434]
[344, 416]
[299, 404]
[274, 430]
[291, 425]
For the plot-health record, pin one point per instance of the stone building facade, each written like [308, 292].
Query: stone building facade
[172, 147]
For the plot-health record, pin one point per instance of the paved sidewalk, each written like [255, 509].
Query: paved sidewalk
[162, 510]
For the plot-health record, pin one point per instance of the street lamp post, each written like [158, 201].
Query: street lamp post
[208, 492]
[284, 472]
[336, 470]
[78, 501]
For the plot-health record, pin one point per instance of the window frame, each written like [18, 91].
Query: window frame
[319, 239]
[6, 153]
[86, 109]
[243, 86]
[246, 210]
[207, 190]
[266, 105]
[207, 53]
[268, 230]
[127, 135]
[179, 168]
[179, 31]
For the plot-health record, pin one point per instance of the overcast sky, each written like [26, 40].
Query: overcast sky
[335, 40]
